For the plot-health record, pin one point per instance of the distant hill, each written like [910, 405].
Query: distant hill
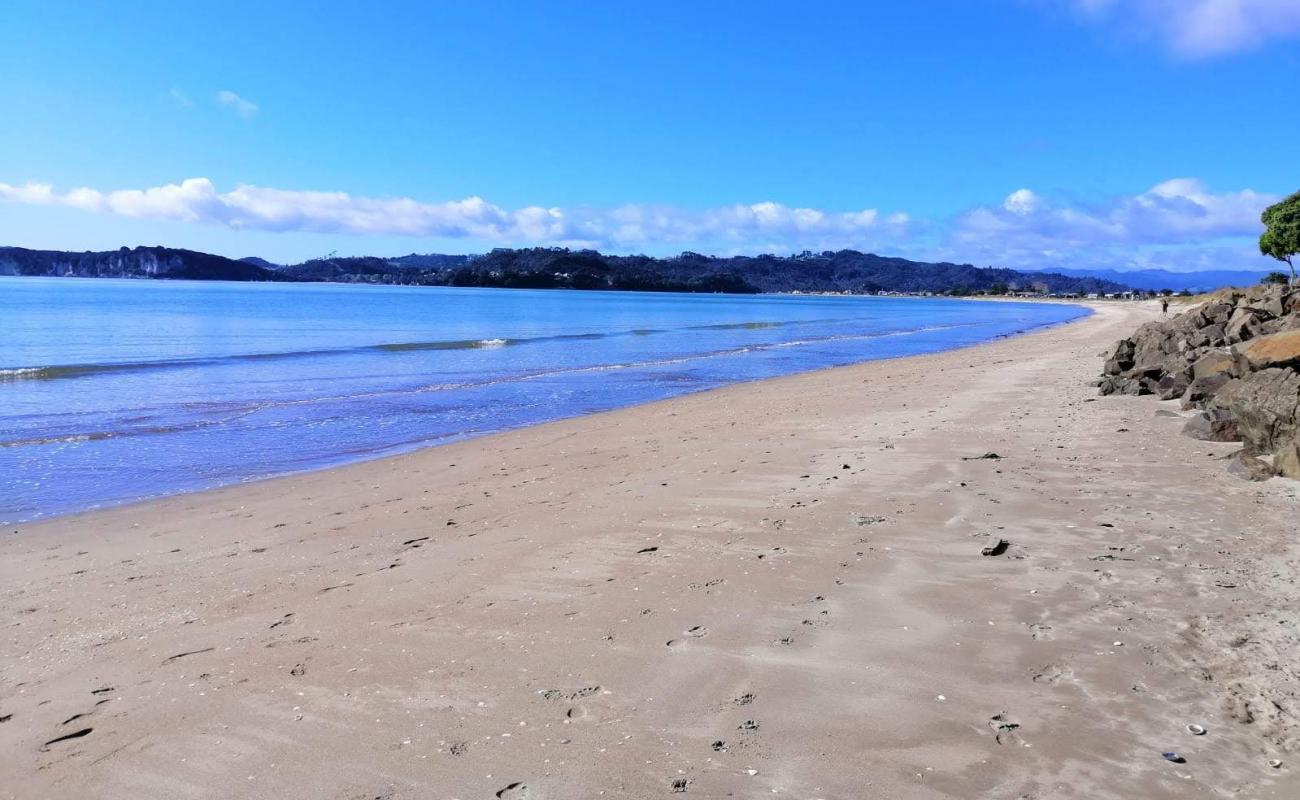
[1156, 279]
[132, 262]
[560, 268]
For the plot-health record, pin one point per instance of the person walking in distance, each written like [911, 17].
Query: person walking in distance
[1164, 305]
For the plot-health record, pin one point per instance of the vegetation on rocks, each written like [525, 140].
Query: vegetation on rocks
[1281, 236]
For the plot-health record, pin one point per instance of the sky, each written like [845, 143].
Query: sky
[1023, 133]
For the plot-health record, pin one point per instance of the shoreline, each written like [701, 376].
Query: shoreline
[398, 451]
[772, 587]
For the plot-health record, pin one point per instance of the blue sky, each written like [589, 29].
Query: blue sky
[1028, 133]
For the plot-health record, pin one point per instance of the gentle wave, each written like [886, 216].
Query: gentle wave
[60, 371]
[147, 430]
[479, 384]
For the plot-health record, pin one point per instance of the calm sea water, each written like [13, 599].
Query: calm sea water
[119, 390]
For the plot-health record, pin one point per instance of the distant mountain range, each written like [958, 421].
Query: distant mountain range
[560, 268]
[1154, 280]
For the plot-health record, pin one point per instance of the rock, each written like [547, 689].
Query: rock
[1216, 313]
[1170, 387]
[1213, 425]
[1265, 406]
[1215, 362]
[1278, 350]
[1273, 304]
[1153, 344]
[1202, 389]
[1249, 467]
[1208, 336]
[1115, 384]
[1243, 325]
[1287, 459]
[1272, 326]
[1236, 357]
[1120, 357]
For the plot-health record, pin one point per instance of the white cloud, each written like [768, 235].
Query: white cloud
[1199, 28]
[1180, 218]
[1179, 223]
[242, 107]
[1021, 202]
[625, 227]
[180, 98]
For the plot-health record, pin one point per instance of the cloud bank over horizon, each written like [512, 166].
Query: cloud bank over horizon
[1197, 28]
[1178, 224]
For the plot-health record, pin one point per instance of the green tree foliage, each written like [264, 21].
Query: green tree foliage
[1281, 237]
[1275, 279]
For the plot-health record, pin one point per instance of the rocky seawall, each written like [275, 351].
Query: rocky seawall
[1236, 358]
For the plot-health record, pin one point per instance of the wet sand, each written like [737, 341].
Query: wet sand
[774, 589]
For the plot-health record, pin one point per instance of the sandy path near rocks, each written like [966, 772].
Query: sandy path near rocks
[769, 590]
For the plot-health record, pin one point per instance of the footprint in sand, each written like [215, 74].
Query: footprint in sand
[575, 713]
[570, 694]
[1052, 674]
[691, 633]
[1040, 632]
[513, 791]
[1004, 729]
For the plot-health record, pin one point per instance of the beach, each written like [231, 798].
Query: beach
[772, 589]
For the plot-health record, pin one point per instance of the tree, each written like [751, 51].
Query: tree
[1281, 237]
[1275, 279]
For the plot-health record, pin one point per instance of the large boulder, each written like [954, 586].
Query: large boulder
[1250, 467]
[1216, 313]
[1118, 384]
[1265, 405]
[1170, 387]
[1202, 389]
[1215, 362]
[1120, 357]
[1208, 336]
[1213, 425]
[1242, 325]
[1153, 346]
[1279, 350]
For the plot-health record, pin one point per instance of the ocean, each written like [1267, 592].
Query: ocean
[120, 390]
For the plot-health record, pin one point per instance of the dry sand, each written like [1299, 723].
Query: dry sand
[770, 590]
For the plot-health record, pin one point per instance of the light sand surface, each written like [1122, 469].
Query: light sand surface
[769, 590]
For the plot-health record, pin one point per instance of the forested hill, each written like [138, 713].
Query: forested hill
[560, 268]
[127, 262]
